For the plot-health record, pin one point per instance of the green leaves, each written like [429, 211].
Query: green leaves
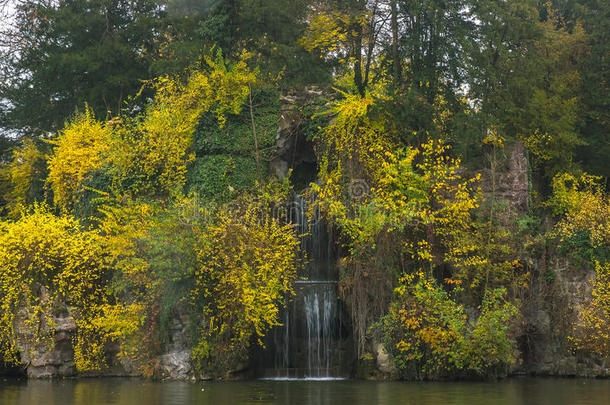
[430, 337]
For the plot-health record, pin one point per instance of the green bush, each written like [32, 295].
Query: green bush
[429, 336]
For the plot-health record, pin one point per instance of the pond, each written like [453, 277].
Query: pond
[526, 391]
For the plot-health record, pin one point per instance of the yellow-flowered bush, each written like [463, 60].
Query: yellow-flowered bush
[80, 149]
[49, 266]
[592, 331]
[147, 154]
[155, 147]
[430, 337]
[584, 227]
[150, 247]
[247, 266]
[24, 177]
[585, 206]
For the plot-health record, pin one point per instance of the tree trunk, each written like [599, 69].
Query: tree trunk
[358, 50]
[395, 55]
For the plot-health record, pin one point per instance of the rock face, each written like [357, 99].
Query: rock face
[176, 364]
[52, 357]
[292, 150]
[516, 181]
[549, 320]
[384, 361]
[511, 178]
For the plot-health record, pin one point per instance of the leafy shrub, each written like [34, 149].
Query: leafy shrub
[430, 337]
[247, 265]
[592, 331]
[48, 265]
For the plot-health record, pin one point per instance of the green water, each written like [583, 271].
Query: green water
[136, 392]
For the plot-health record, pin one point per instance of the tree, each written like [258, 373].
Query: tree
[348, 34]
[526, 81]
[269, 29]
[433, 42]
[594, 123]
[58, 55]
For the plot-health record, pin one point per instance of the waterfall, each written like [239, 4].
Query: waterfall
[320, 307]
[307, 343]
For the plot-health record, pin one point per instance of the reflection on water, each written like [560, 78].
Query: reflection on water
[140, 392]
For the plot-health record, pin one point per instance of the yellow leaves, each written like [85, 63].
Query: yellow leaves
[430, 332]
[27, 164]
[246, 266]
[122, 226]
[47, 262]
[148, 153]
[156, 151]
[591, 331]
[328, 31]
[80, 149]
[451, 281]
[494, 138]
[538, 144]
[586, 207]
[418, 192]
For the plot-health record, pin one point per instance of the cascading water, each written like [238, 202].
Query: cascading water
[320, 307]
[307, 345]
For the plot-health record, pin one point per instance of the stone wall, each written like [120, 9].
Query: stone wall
[52, 357]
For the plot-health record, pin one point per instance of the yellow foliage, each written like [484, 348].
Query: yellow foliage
[592, 332]
[154, 151]
[352, 146]
[329, 32]
[148, 154]
[47, 264]
[586, 207]
[80, 149]
[112, 323]
[428, 332]
[420, 191]
[123, 227]
[24, 169]
[247, 265]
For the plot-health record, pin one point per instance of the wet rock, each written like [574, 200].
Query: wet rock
[384, 361]
[49, 357]
[175, 365]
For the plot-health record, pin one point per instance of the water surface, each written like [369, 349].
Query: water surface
[110, 391]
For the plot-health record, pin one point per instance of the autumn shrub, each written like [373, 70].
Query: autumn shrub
[423, 328]
[415, 213]
[157, 145]
[24, 177]
[247, 262]
[490, 348]
[80, 149]
[110, 281]
[151, 248]
[592, 330]
[430, 337]
[583, 209]
[49, 266]
[146, 153]
[584, 206]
